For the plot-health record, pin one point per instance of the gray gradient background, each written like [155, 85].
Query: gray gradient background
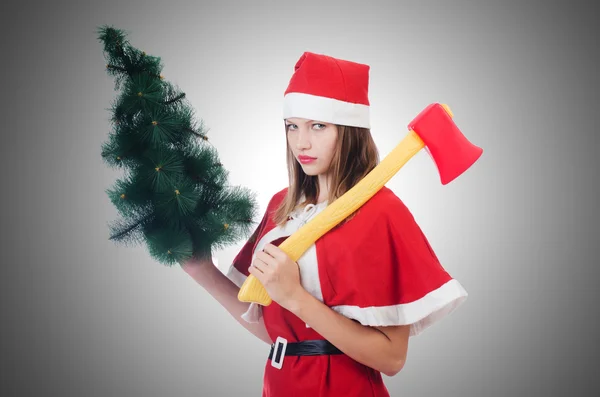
[83, 317]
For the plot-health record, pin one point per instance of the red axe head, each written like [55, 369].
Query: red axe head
[451, 152]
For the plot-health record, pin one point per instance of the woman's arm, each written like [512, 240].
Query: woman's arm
[381, 348]
[225, 292]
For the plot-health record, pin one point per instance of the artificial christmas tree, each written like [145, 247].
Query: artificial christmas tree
[174, 196]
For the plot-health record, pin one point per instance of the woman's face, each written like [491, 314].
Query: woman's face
[313, 143]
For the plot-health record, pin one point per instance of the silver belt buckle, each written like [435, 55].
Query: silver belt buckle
[278, 341]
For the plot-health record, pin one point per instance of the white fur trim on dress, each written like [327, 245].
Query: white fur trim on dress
[236, 276]
[329, 110]
[421, 314]
[254, 312]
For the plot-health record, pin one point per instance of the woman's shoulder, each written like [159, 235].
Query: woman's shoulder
[383, 203]
[277, 198]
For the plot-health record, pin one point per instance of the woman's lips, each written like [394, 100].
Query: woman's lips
[306, 159]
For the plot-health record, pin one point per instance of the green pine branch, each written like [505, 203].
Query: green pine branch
[174, 195]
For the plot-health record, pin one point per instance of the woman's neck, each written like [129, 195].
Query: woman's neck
[323, 189]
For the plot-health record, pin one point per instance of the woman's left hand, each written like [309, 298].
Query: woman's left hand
[279, 274]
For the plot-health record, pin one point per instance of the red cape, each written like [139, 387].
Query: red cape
[378, 268]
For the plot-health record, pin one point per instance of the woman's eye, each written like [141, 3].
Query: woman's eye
[291, 126]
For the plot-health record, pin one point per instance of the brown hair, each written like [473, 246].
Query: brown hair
[355, 156]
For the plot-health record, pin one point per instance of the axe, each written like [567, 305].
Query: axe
[433, 129]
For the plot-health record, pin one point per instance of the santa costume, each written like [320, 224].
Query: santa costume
[378, 268]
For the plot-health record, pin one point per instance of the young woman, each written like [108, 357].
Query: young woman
[343, 313]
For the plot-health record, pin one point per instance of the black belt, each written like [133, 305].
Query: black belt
[304, 348]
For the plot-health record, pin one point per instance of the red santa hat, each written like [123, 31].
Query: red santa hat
[328, 89]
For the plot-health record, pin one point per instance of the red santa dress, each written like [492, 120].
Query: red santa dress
[377, 269]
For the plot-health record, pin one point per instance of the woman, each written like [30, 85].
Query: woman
[343, 313]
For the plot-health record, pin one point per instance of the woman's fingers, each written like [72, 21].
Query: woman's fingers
[259, 264]
[263, 263]
[266, 259]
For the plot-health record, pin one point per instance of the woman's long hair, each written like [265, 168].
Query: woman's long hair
[355, 156]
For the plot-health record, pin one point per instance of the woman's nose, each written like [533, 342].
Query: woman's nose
[303, 140]
[302, 145]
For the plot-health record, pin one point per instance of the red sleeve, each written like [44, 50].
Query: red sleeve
[238, 272]
[387, 273]
[243, 258]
